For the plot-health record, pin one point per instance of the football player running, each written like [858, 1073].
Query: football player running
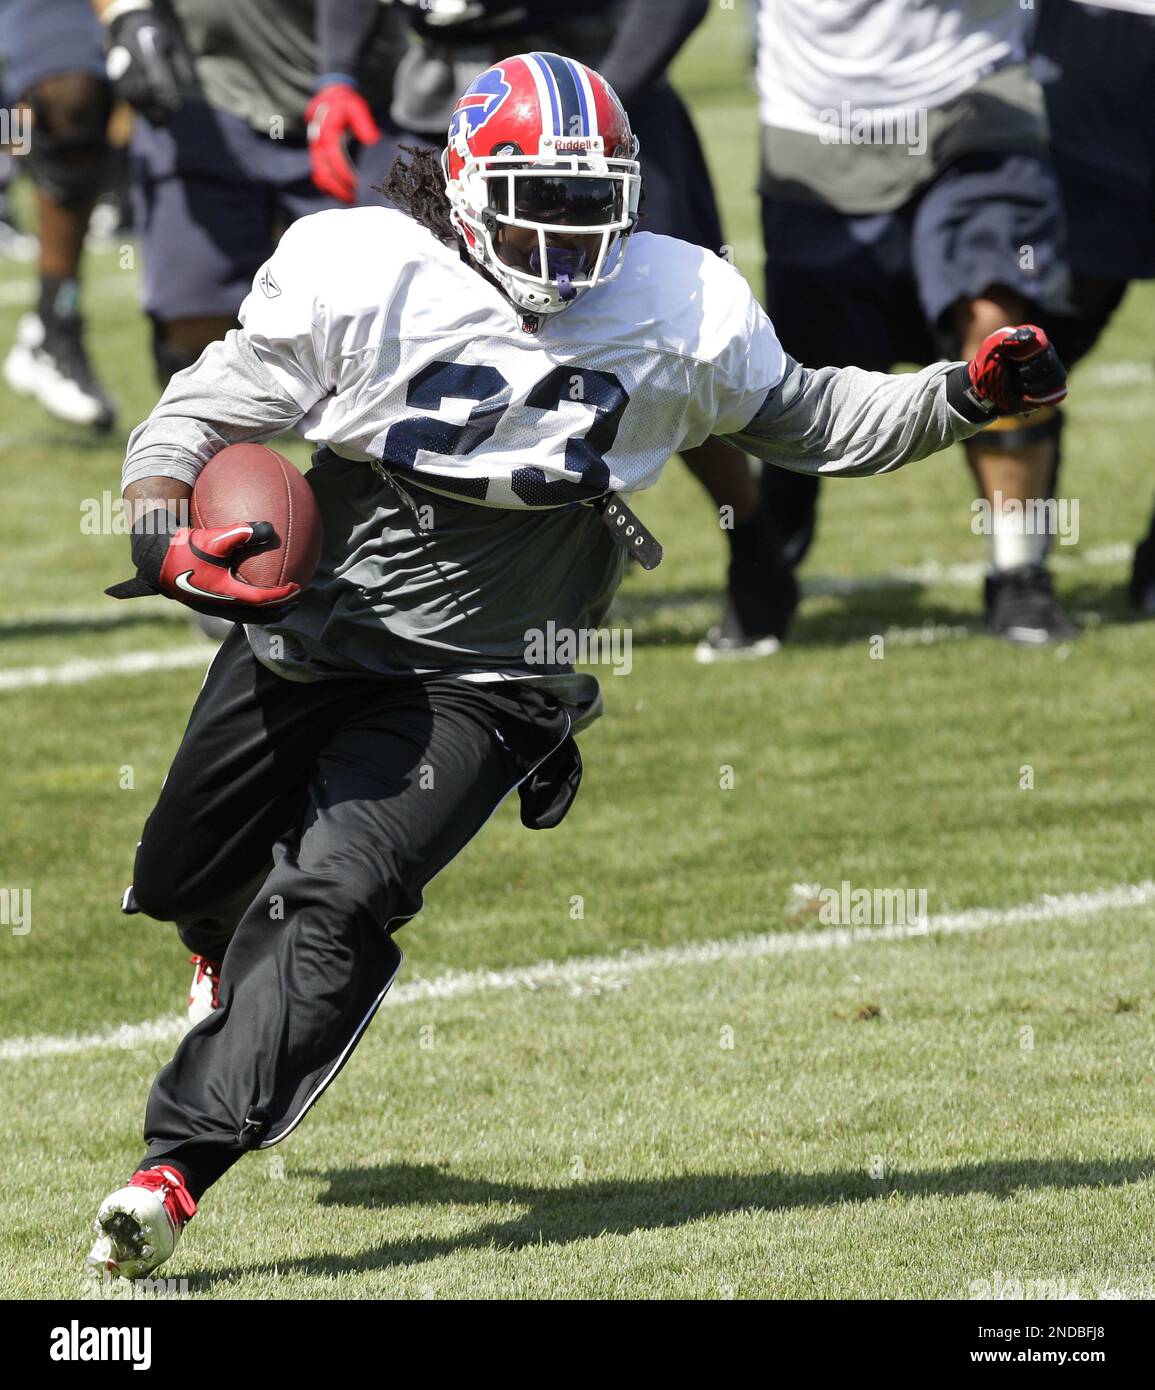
[1093, 60]
[632, 43]
[484, 379]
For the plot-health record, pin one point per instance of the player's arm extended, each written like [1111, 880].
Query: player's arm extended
[846, 421]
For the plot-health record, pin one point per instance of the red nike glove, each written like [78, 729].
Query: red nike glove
[1015, 370]
[335, 111]
[198, 568]
[195, 566]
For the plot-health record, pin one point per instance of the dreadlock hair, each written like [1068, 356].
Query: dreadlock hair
[417, 187]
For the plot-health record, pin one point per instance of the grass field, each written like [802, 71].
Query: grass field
[715, 1096]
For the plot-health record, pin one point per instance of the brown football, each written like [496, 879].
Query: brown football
[250, 482]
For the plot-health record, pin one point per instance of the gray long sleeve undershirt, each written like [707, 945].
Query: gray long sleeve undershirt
[834, 421]
[391, 597]
[227, 397]
[846, 422]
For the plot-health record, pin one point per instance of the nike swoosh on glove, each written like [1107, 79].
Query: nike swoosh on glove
[194, 565]
[335, 111]
[1016, 370]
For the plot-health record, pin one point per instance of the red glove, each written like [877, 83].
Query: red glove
[197, 570]
[335, 111]
[195, 566]
[1015, 370]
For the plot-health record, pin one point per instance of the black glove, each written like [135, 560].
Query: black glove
[149, 538]
[140, 65]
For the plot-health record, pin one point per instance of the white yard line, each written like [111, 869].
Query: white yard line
[110, 615]
[1124, 373]
[585, 971]
[931, 573]
[129, 664]
[21, 293]
[930, 634]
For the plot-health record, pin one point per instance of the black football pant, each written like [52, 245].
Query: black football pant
[296, 830]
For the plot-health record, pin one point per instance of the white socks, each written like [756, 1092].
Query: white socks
[1018, 537]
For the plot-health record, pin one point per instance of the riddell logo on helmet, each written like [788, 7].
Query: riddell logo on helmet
[575, 145]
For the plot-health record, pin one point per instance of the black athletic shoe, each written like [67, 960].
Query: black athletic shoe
[1022, 607]
[1142, 587]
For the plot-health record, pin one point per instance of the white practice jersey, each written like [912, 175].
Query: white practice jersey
[397, 350]
[368, 336]
[818, 56]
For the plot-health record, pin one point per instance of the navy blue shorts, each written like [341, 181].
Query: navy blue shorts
[678, 195]
[211, 198]
[874, 290]
[1097, 67]
[44, 38]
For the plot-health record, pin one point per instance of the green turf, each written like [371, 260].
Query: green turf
[603, 1142]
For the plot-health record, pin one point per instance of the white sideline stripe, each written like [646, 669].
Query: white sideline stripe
[591, 969]
[129, 664]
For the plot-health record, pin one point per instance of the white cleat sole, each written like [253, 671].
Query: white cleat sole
[1029, 636]
[134, 1235]
[707, 655]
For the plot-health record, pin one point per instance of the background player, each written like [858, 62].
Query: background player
[1096, 62]
[294, 784]
[220, 160]
[54, 67]
[909, 208]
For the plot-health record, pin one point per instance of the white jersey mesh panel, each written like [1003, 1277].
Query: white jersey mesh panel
[398, 351]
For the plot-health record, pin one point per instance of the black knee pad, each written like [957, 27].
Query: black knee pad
[69, 154]
[70, 170]
[1015, 432]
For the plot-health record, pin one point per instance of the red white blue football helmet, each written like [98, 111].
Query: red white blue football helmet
[542, 143]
